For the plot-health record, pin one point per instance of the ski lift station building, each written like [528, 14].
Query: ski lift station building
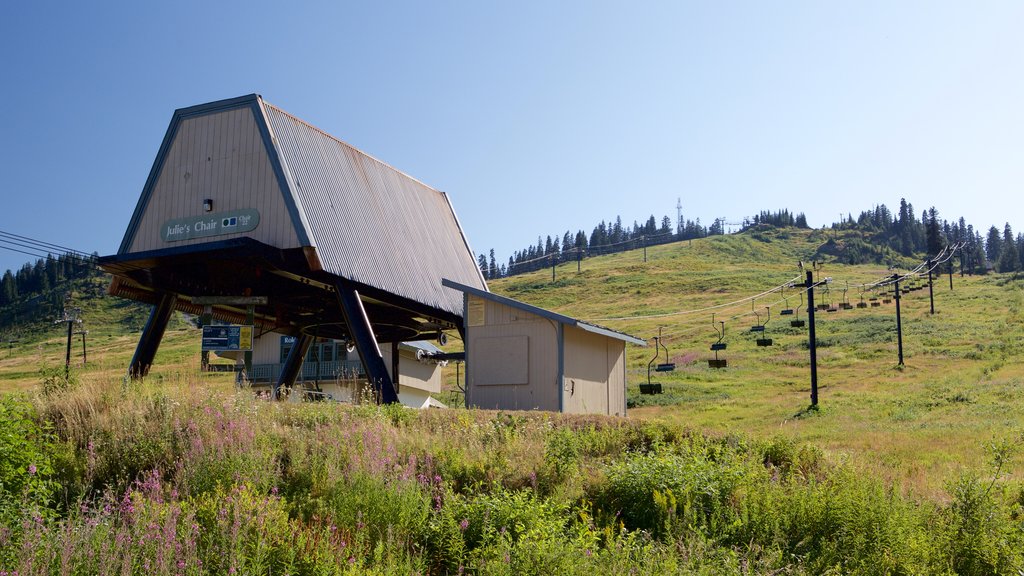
[525, 357]
[251, 216]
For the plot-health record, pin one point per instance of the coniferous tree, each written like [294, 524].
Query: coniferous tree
[8, 289]
[1020, 250]
[933, 233]
[482, 262]
[993, 245]
[1009, 258]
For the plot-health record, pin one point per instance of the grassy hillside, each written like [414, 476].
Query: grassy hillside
[919, 424]
[30, 340]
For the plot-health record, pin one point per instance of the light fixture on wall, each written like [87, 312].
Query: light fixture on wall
[208, 205]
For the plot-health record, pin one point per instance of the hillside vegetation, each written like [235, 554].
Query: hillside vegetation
[919, 424]
[912, 470]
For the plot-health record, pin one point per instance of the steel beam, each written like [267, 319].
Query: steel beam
[292, 365]
[152, 334]
[366, 343]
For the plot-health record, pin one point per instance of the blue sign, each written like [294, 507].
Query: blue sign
[221, 338]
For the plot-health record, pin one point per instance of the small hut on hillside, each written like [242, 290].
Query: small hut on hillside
[521, 357]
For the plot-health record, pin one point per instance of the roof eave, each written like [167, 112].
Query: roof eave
[542, 312]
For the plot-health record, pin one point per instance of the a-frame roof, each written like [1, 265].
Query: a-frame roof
[366, 221]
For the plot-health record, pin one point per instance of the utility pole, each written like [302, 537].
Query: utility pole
[951, 268]
[812, 342]
[579, 256]
[643, 239]
[931, 293]
[85, 358]
[552, 258]
[899, 322]
[70, 317]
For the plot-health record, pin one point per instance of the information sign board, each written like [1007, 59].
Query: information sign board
[220, 338]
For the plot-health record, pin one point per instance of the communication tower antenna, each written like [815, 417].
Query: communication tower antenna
[679, 216]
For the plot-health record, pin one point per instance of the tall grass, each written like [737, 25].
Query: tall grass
[155, 479]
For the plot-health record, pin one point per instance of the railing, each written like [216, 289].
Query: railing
[310, 371]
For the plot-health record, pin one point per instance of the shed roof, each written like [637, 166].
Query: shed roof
[544, 313]
[368, 222]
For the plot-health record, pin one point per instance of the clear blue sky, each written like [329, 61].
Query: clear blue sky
[535, 116]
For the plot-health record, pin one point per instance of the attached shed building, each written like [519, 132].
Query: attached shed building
[253, 216]
[521, 357]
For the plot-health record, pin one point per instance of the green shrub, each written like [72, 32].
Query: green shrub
[665, 492]
[377, 509]
[981, 536]
[26, 461]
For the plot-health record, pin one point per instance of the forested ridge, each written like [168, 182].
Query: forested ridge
[882, 234]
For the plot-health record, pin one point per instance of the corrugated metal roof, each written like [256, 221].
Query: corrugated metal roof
[422, 345]
[561, 318]
[371, 223]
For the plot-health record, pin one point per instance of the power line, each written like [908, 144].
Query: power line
[42, 244]
[40, 249]
[732, 304]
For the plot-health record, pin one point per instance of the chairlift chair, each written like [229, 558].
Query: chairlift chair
[845, 304]
[665, 366]
[862, 303]
[787, 311]
[655, 387]
[763, 341]
[823, 305]
[797, 322]
[717, 362]
[757, 327]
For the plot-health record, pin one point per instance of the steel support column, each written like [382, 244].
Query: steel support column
[152, 334]
[394, 366]
[366, 343]
[292, 365]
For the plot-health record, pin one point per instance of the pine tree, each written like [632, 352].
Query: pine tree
[933, 233]
[993, 245]
[1009, 258]
[8, 289]
[482, 262]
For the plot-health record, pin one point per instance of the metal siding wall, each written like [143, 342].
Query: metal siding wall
[237, 175]
[586, 364]
[542, 391]
[266, 349]
[616, 377]
[370, 222]
[413, 374]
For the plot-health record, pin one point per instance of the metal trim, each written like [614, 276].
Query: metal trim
[284, 180]
[560, 335]
[462, 232]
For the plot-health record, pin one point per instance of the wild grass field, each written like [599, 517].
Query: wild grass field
[912, 470]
